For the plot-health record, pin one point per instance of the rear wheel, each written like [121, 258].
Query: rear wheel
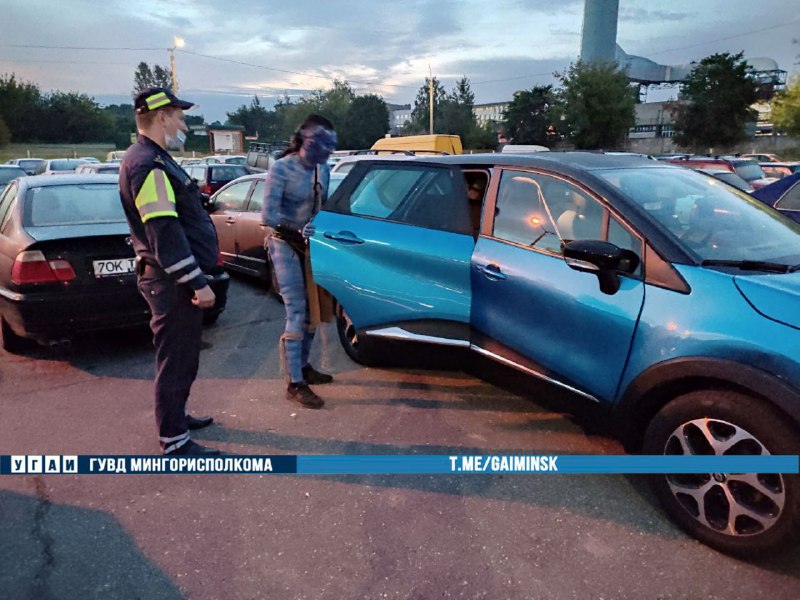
[355, 346]
[745, 514]
[11, 341]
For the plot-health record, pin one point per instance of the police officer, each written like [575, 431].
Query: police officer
[175, 242]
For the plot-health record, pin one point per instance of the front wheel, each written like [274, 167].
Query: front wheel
[744, 514]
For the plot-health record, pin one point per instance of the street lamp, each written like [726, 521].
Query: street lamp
[177, 42]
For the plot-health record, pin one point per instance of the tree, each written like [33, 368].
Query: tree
[144, 77]
[74, 118]
[530, 115]
[5, 133]
[456, 116]
[367, 120]
[20, 108]
[596, 105]
[122, 124]
[256, 120]
[419, 121]
[717, 97]
[786, 109]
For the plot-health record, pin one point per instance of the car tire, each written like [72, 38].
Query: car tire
[12, 342]
[768, 505]
[356, 347]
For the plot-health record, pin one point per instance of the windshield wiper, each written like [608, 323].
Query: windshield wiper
[752, 265]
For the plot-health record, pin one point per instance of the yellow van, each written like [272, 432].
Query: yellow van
[421, 144]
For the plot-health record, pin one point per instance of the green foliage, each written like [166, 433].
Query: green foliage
[359, 120]
[5, 134]
[366, 121]
[596, 105]
[256, 120]
[72, 117]
[786, 109]
[420, 115]
[718, 94]
[452, 114]
[20, 107]
[530, 115]
[145, 77]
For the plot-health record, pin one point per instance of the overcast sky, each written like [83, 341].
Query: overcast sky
[379, 46]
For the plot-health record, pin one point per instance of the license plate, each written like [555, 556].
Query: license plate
[115, 266]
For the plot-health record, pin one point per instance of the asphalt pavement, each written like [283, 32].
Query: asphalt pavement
[340, 537]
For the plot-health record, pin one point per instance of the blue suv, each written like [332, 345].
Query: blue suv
[658, 293]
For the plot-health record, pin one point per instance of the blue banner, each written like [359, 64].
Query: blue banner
[388, 464]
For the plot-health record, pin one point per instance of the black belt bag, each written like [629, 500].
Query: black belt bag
[293, 237]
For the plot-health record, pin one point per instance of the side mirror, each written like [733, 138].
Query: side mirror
[604, 259]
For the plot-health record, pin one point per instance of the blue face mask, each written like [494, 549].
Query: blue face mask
[318, 143]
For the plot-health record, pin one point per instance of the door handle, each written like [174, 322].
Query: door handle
[347, 237]
[230, 220]
[492, 271]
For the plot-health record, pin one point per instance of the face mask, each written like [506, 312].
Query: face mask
[175, 142]
[318, 143]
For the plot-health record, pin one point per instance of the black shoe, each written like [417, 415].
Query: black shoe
[198, 422]
[314, 377]
[302, 394]
[192, 448]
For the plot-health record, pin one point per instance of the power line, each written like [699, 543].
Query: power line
[74, 47]
[729, 37]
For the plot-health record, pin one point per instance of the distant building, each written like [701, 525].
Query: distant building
[653, 120]
[399, 115]
[226, 139]
[493, 112]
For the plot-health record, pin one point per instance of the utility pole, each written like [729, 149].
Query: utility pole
[430, 99]
[176, 43]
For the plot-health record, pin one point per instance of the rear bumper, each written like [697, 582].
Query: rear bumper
[57, 314]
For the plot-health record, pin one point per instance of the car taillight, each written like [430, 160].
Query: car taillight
[207, 189]
[31, 266]
[220, 262]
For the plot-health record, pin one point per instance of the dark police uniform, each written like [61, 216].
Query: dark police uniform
[175, 242]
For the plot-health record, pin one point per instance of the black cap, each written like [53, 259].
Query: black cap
[156, 97]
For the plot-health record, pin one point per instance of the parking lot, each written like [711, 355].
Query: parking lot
[287, 536]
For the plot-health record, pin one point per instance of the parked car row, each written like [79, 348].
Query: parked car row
[655, 293]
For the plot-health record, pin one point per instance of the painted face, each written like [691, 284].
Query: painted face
[318, 143]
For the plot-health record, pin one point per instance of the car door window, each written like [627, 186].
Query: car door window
[542, 211]
[233, 196]
[791, 199]
[419, 195]
[257, 198]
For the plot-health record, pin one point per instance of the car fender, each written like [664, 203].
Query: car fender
[659, 384]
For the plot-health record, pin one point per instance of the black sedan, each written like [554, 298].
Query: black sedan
[66, 261]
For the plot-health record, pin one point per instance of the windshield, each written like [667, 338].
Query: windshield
[7, 175]
[73, 205]
[65, 164]
[711, 220]
[749, 171]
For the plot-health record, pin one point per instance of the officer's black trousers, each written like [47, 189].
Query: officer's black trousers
[177, 326]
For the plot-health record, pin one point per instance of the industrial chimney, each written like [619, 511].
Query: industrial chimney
[599, 34]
